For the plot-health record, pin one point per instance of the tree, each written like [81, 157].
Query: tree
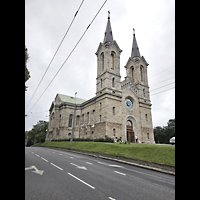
[163, 134]
[27, 73]
[37, 133]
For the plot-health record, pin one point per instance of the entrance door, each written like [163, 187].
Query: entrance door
[129, 131]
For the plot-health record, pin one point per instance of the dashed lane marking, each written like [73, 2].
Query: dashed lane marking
[56, 166]
[44, 159]
[120, 173]
[81, 181]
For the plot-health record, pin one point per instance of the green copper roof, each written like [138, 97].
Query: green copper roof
[69, 99]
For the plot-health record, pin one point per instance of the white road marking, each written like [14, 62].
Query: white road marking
[32, 152]
[72, 157]
[81, 181]
[111, 198]
[119, 173]
[56, 166]
[36, 170]
[79, 167]
[115, 166]
[44, 159]
[102, 163]
[37, 155]
[89, 163]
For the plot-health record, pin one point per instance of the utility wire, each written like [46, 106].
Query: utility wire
[69, 54]
[162, 71]
[56, 51]
[155, 83]
[162, 91]
[162, 86]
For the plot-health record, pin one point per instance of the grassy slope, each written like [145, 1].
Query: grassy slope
[155, 153]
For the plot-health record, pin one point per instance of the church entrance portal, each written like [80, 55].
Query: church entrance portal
[129, 131]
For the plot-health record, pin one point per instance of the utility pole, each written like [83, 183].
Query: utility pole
[73, 121]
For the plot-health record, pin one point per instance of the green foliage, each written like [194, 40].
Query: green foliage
[107, 139]
[37, 133]
[163, 134]
[150, 152]
[27, 73]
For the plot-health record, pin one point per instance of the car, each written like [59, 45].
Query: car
[172, 140]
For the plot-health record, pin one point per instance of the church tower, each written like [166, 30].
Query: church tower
[135, 95]
[108, 64]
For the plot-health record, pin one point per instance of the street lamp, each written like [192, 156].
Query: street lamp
[73, 121]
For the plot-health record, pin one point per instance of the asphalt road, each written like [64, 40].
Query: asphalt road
[55, 174]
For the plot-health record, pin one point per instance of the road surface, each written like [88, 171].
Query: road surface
[55, 175]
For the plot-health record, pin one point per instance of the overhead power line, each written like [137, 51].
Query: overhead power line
[56, 52]
[161, 71]
[163, 91]
[162, 86]
[69, 54]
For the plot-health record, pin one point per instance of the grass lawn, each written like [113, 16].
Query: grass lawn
[150, 152]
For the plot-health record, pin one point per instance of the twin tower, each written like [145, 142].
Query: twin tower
[130, 98]
[119, 109]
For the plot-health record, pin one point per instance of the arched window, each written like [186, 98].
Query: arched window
[133, 73]
[144, 92]
[77, 120]
[113, 110]
[141, 72]
[102, 61]
[113, 82]
[114, 132]
[70, 120]
[88, 117]
[112, 60]
[93, 117]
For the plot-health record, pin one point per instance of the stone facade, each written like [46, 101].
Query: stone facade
[119, 109]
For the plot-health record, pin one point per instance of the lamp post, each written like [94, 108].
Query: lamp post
[73, 121]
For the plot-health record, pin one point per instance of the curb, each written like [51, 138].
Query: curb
[147, 166]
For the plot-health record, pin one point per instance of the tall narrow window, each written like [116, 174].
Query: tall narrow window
[93, 117]
[148, 136]
[113, 110]
[146, 117]
[144, 92]
[141, 73]
[83, 118]
[101, 83]
[100, 118]
[70, 120]
[88, 118]
[100, 106]
[102, 61]
[114, 132]
[112, 61]
[133, 73]
[113, 82]
[77, 120]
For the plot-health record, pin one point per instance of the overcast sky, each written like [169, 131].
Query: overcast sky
[46, 22]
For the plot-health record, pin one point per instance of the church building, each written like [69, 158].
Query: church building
[119, 109]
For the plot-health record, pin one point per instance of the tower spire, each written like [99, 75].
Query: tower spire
[108, 33]
[135, 49]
